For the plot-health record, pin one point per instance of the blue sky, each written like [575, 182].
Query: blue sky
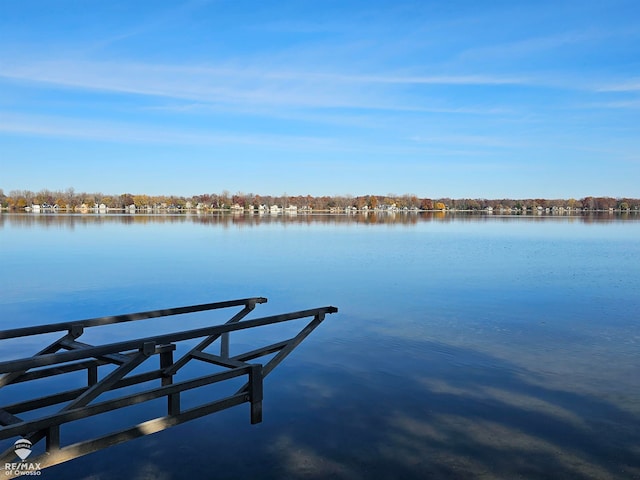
[459, 98]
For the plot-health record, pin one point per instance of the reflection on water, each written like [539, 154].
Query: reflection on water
[63, 220]
[470, 421]
[466, 346]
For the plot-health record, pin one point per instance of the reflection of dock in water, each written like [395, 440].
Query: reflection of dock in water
[67, 355]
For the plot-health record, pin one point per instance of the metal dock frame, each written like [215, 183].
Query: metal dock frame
[67, 354]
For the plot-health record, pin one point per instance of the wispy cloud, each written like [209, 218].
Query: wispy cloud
[133, 133]
[408, 79]
[63, 127]
[625, 86]
[238, 85]
[622, 104]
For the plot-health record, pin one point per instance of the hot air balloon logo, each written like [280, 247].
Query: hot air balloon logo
[22, 447]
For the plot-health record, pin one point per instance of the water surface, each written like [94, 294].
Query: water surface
[465, 347]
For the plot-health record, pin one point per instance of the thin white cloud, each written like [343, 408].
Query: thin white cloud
[211, 85]
[628, 86]
[94, 130]
[621, 104]
[354, 119]
[58, 126]
[406, 80]
[234, 85]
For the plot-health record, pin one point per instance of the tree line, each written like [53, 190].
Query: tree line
[71, 200]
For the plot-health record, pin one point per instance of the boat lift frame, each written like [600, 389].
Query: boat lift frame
[67, 354]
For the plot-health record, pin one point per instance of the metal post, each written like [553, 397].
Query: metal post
[53, 438]
[92, 375]
[255, 393]
[166, 360]
[224, 345]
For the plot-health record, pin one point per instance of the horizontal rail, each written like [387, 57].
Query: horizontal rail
[66, 396]
[98, 351]
[60, 370]
[149, 427]
[77, 366]
[65, 416]
[127, 317]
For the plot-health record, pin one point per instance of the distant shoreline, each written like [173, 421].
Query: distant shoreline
[72, 201]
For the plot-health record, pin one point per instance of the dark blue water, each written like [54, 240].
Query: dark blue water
[465, 347]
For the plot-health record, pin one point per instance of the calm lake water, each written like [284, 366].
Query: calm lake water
[464, 347]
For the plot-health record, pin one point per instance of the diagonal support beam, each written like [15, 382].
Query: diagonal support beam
[285, 350]
[292, 344]
[207, 341]
[89, 395]
[7, 418]
[8, 378]
[117, 358]
[111, 379]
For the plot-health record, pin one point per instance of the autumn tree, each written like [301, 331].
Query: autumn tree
[426, 204]
[239, 198]
[107, 200]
